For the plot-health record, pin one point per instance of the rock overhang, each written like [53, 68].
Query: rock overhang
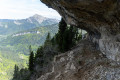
[100, 18]
[87, 14]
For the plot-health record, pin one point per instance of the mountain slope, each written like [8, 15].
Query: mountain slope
[35, 37]
[18, 36]
[8, 59]
[8, 27]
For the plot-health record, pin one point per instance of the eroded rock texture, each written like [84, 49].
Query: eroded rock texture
[83, 62]
[99, 60]
[100, 18]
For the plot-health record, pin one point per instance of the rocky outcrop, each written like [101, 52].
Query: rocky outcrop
[100, 18]
[98, 57]
[83, 62]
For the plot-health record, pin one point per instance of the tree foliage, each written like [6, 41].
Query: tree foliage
[31, 60]
[16, 70]
[66, 38]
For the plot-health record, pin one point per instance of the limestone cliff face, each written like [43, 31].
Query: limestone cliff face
[101, 18]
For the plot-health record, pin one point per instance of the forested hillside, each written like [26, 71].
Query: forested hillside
[15, 38]
[40, 61]
[8, 59]
[22, 40]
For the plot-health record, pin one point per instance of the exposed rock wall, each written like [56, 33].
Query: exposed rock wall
[99, 60]
[100, 18]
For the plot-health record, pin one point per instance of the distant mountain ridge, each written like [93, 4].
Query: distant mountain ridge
[10, 26]
[15, 38]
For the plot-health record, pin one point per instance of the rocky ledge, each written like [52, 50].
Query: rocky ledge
[83, 62]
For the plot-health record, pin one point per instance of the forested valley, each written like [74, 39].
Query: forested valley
[16, 38]
[28, 46]
[40, 61]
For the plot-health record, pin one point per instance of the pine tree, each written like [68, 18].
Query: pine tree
[39, 57]
[39, 52]
[53, 41]
[16, 72]
[31, 60]
[60, 35]
[48, 40]
[67, 36]
[62, 26]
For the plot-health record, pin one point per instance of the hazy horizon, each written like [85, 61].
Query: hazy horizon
[13, 9]
[32, 16]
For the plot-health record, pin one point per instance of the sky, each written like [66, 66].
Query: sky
[21, 9]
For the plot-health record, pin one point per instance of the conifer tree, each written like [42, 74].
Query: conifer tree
[62, 26]
[60, 35]
[48, 40]
[53, 41]
[67, 36]
[31, 60]
[39, 52]
[39, 56]
[16, 72]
